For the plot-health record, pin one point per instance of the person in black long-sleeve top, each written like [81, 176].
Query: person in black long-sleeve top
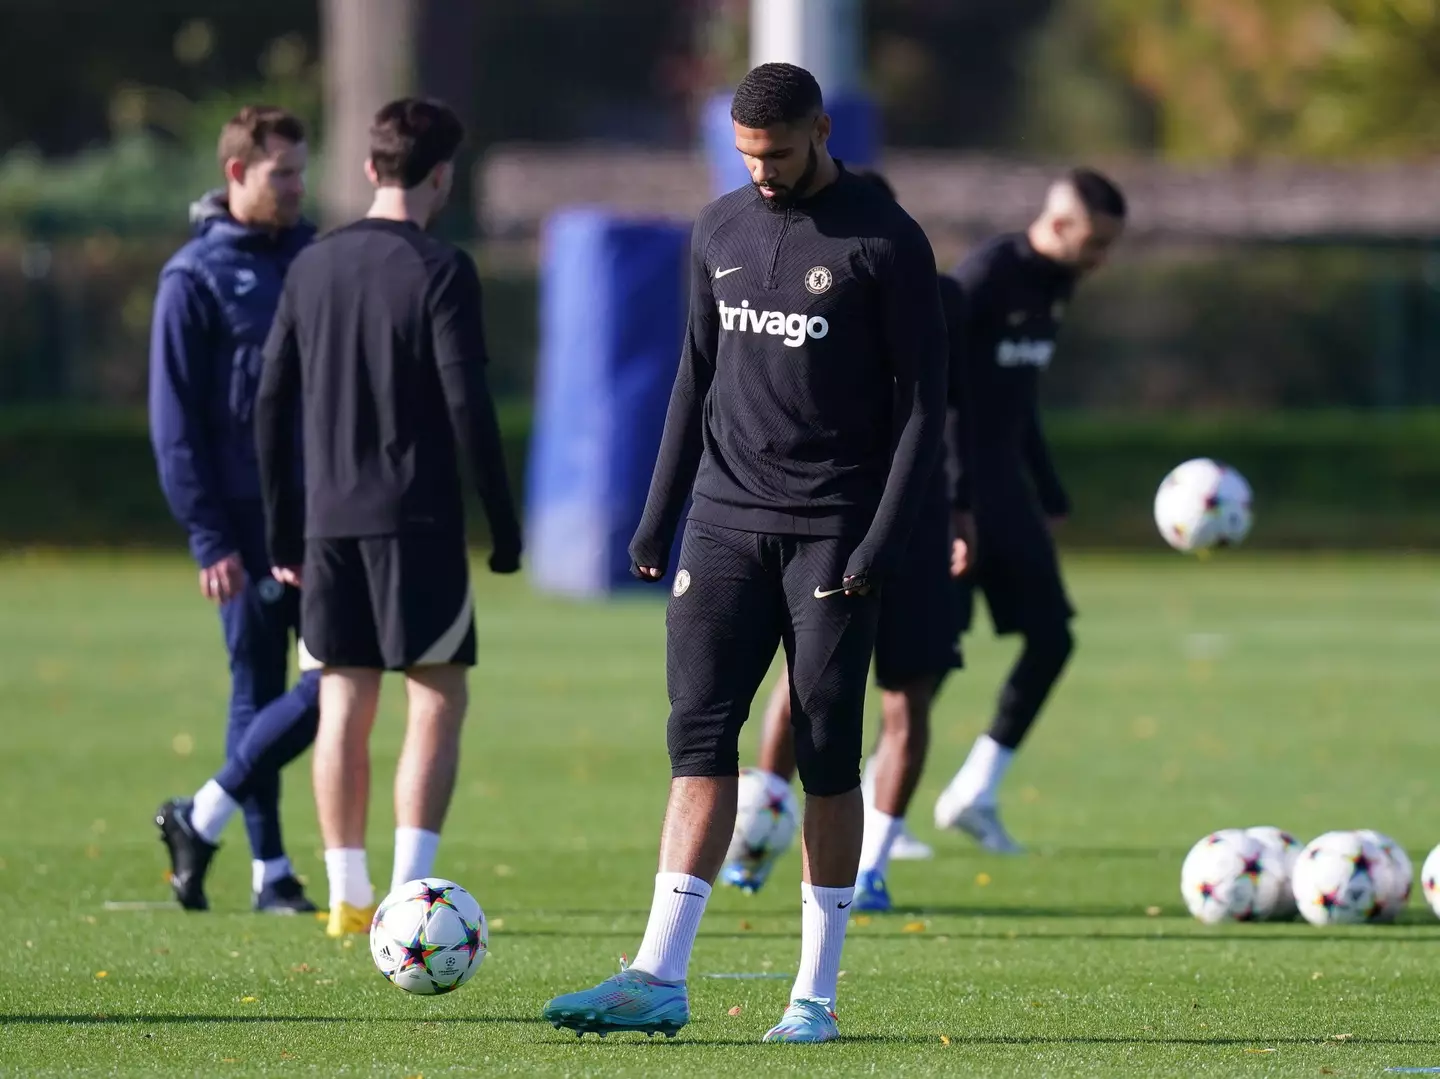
[1005, 310]
[380, 335]
[806, 420]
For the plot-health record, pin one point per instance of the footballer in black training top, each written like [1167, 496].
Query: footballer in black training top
[806, 420]
[1005, 307]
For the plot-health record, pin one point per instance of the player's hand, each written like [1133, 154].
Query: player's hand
[647, 573]
[959, 557]
[224, 580]
[287, 575]
[857, 584]
[504, 561]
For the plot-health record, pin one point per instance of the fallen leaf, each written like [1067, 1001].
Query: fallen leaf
[861, 919]
[303, 968]
[183, 745]
[102, 974]
[92, 851]
[248, 1000]
[735, 1010]
[417, 1075]
[348, 942]
[1341, 1037]
[842, 974]
[1259, 1050]
[944, 1039]
[29, 944]
[1327, 1071]
[498, 923]
[287, 1056]
[913, 927]
[982, 879]
[324, 981]
[1152, 912]
[1316, 976]
[745, 926]
[90, 919]
[504, 871]
[162, 951]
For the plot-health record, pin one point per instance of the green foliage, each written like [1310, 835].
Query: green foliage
[1324, 480]
[1234, 79]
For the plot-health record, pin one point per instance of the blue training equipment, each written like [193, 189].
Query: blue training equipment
[613, 297]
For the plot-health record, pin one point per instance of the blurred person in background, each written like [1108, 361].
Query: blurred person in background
[1003, 320]
[217, 298]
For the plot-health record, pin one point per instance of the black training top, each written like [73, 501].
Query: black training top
[815, 348]
[1003, 319]
[380, 332]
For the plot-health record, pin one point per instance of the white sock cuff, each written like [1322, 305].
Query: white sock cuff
[682, 883]
[826, 898]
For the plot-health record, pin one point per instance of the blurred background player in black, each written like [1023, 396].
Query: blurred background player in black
[915, 649]
[1003, 321]
[807, 417]
[380, 334]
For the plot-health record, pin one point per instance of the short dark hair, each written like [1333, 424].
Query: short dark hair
[870, 176]
[410, 137]
[776, 94]
[1097, 192]
[244, 135]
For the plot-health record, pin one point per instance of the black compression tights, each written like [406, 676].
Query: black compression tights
[1031, 679]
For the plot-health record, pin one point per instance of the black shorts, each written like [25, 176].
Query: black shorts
[737, 595]
[1017, 568]
[387, 602]
[916, 637]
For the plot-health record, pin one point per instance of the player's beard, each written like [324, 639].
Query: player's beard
[785, 197]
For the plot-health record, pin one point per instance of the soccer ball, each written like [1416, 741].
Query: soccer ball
[766, 819]
[1430, 880]
[1395, 878]
[429, 936]
[1338, 879]
[1203, 504]
[1281, 849]
[1228, 876]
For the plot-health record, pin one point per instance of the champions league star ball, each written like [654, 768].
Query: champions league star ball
[1229, 876]
[1203, 504]
[1338, 879]
[1282, 850]
[766, 819]
[429, 936]
[1395, 877]
[1430, 880]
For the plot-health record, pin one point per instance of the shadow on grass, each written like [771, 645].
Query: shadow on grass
[161, 1020]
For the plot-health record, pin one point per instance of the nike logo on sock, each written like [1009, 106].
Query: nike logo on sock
[842, 906]
[831, 592]
[697, 895]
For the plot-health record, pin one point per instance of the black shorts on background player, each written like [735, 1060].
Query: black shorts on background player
[918, 624]
[1004, 306]
[380, 326]
[389, 602]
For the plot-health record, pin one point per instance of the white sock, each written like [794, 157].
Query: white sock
[414, 855]
[349, 877]
[268, 871]
[979, 777]
[867, 782]
[881, 830]
[211, 811]
[674, 920]
[824, 914]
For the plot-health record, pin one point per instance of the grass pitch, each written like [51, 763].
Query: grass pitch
[1238, 692]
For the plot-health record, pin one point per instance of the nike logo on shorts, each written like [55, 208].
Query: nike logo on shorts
[819, 594]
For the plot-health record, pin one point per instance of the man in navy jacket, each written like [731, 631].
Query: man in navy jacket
[216, 300]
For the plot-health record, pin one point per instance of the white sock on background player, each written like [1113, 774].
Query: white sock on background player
[268, 871]
[211, 810]
[824, 916]
[414, 855]
[881, 831]
[978, 781]
[674, 920]
[349, 877]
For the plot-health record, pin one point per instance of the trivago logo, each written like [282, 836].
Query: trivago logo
[1024, 353]
[795, 329]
